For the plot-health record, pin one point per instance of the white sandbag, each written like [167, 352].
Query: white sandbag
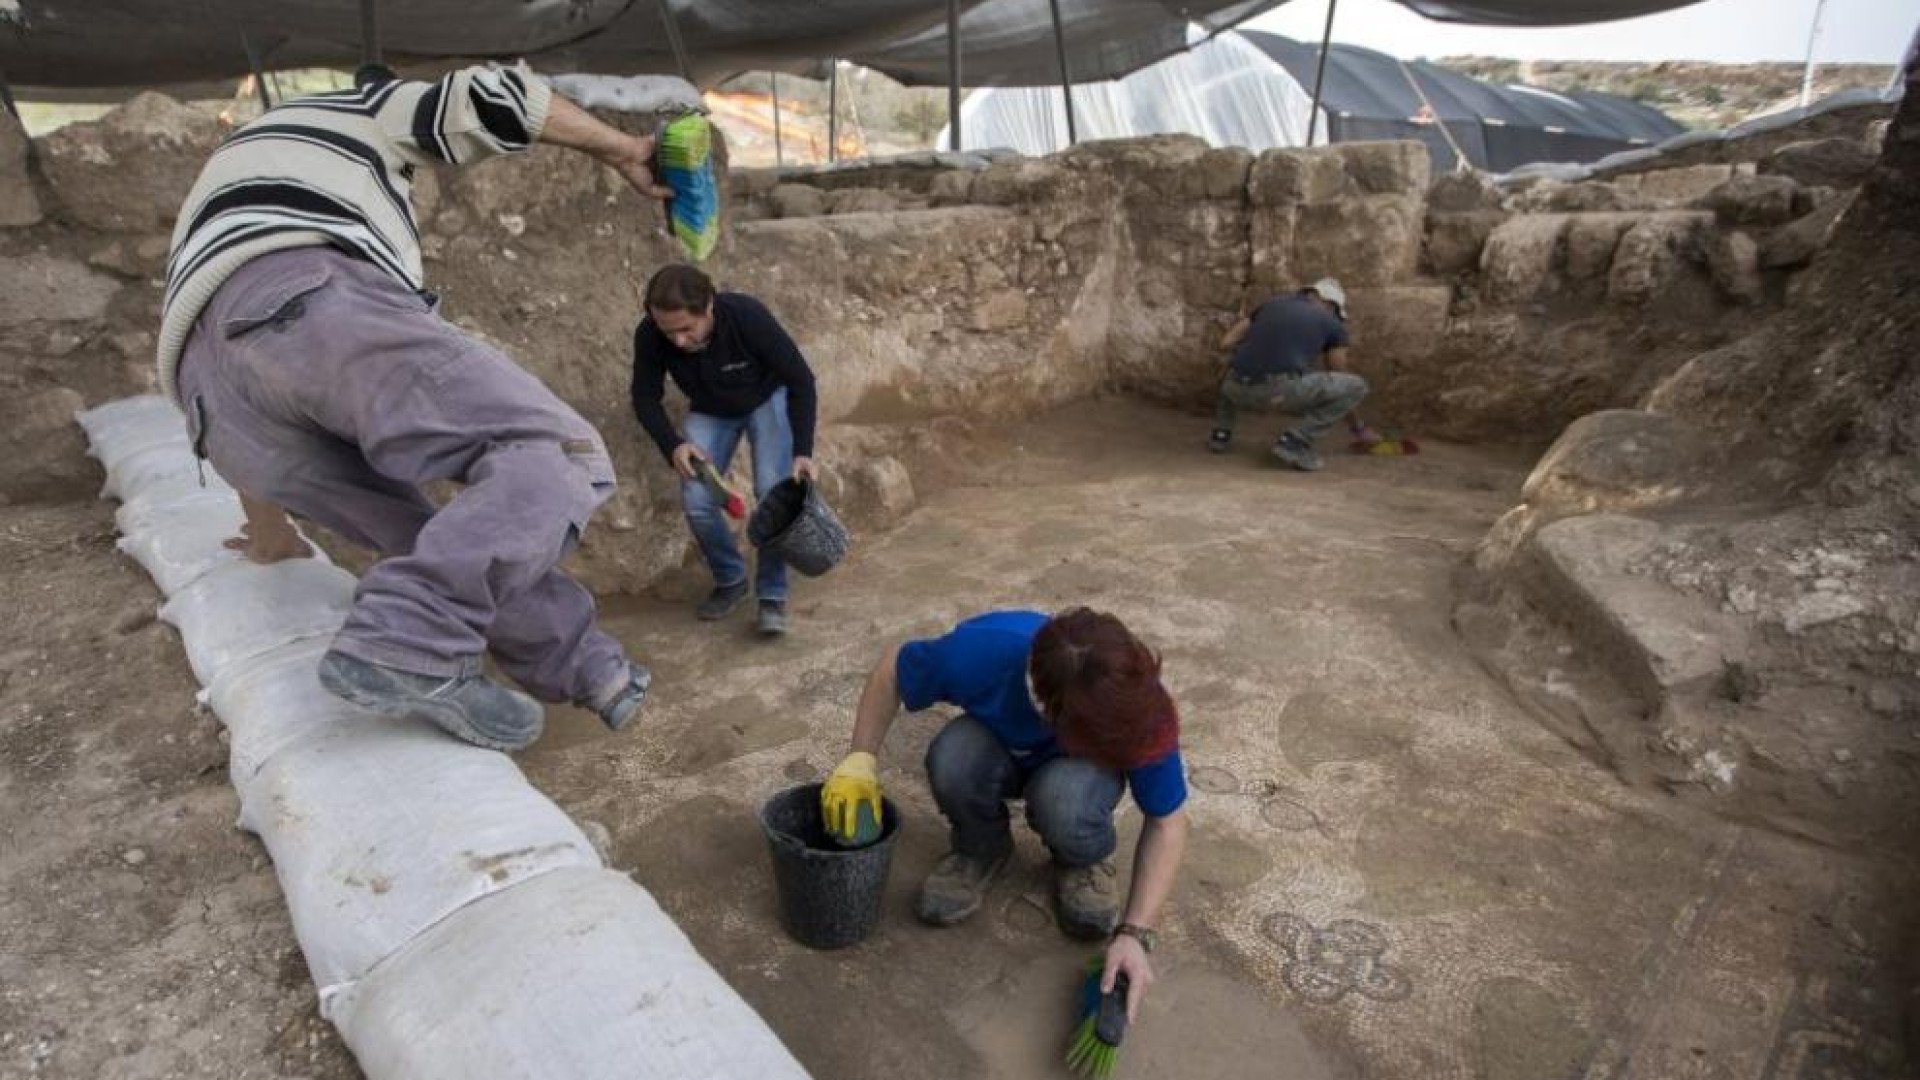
[272, 701]
[381, 828]
[120, 428]
[178, 543]
[578, 974]
[164, 500]
[242, 610]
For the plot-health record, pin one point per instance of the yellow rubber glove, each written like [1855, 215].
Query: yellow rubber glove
[850, 801]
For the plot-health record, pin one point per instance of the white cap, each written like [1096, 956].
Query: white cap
[1332, 293]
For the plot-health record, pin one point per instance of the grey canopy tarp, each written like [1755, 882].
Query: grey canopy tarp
[111, 43]
[1370, 95]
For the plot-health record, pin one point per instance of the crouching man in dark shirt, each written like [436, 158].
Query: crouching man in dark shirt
[742, 375]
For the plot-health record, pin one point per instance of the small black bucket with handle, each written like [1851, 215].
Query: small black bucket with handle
[829, 895]
[796, 524]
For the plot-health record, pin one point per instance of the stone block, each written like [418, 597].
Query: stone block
[1463, 191]
[1734, 261]
[797, 201]
[44, 452]
[1521, 257]
[1386, 168]
[1592, 240]
[1676, 186]
[1223, 172]
[1456, 239]
[1395, 324]
[1654, 253]
[1017, 181]
[1270, 249]
[860, 201]
[1364, 240]
[1591, 196]
[1752, 202]
[130, 170]
[1289, 176]
[1324, 173]
[1796, 243]
[950, 188]
[1836, 163]
[752, 183]
[51, 288]
[19, 203]
[1616, 460]
[1658, 641]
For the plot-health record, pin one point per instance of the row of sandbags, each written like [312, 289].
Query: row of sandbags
[457, 923]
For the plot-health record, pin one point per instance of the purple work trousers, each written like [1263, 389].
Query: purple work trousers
[315, 381]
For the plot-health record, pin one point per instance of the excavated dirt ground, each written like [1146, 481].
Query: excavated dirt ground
[1395, 871]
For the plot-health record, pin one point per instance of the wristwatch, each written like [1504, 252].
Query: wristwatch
[1144, 935]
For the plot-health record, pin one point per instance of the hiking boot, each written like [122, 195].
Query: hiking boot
[620, 711]
[470, 707]
[721, 601]
[1293, 450]
[773, 618]
[1219, 441]
[957, 887]
[1086, 900]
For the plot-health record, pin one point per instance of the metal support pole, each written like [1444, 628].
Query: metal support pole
[253, 65]
[370, 31]
[674, 42]
[953, 75]
[6, 96]
[1813, 35]
[833, 111]
[779, 153]
[1320, 75]
[1066, 77]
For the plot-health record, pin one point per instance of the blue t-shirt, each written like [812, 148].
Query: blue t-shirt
[981, 667]
[1287, 336]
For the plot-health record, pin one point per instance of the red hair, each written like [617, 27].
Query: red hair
[1100, 689]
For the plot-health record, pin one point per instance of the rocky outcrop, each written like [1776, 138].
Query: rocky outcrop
[129, 171]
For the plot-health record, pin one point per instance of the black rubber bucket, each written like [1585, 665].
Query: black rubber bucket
[795, 523]
[829, 895]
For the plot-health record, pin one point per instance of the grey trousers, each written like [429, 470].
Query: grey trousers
[315, 381]
[1318, 398]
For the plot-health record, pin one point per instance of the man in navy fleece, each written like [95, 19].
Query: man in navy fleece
[743, 375]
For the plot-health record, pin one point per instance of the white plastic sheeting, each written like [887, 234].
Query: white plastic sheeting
[1224, 90]
[457, 923]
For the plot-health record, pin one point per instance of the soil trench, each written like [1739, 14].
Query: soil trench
[1395, 872]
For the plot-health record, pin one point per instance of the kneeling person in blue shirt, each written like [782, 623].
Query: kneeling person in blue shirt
[1066, 712]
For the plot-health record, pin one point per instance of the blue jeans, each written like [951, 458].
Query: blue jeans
[1070, 801]
[771, 438]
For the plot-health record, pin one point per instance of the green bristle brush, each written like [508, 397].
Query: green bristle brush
[1095, 1047]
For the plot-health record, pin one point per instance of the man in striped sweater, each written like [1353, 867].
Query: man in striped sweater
[299, 338]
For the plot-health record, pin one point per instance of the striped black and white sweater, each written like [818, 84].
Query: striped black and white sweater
[337, 169]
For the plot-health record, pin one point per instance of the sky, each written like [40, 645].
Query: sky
[1728, 31]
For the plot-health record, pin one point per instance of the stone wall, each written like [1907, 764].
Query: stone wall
[939, 291]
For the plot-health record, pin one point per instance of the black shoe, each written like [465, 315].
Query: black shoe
[468, 707]
[773, 618]
[1219, 441]
[721, 601]
[1297, 452]
[619, 712]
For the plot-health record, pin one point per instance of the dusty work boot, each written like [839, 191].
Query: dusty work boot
[471, 707]
[773, 618]
[1220, 441]
[1296, 451]
[1085, 900]
[721, 601]
[957, 887]
[625, 704]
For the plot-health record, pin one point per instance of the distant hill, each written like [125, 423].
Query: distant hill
[1699, 95]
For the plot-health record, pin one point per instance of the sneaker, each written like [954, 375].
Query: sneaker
[957, 887]
[1293, 450]
[1219, 441]
[619, 712]
[773, 618]
[721, 601]
[471, 707]
[1086, 900]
